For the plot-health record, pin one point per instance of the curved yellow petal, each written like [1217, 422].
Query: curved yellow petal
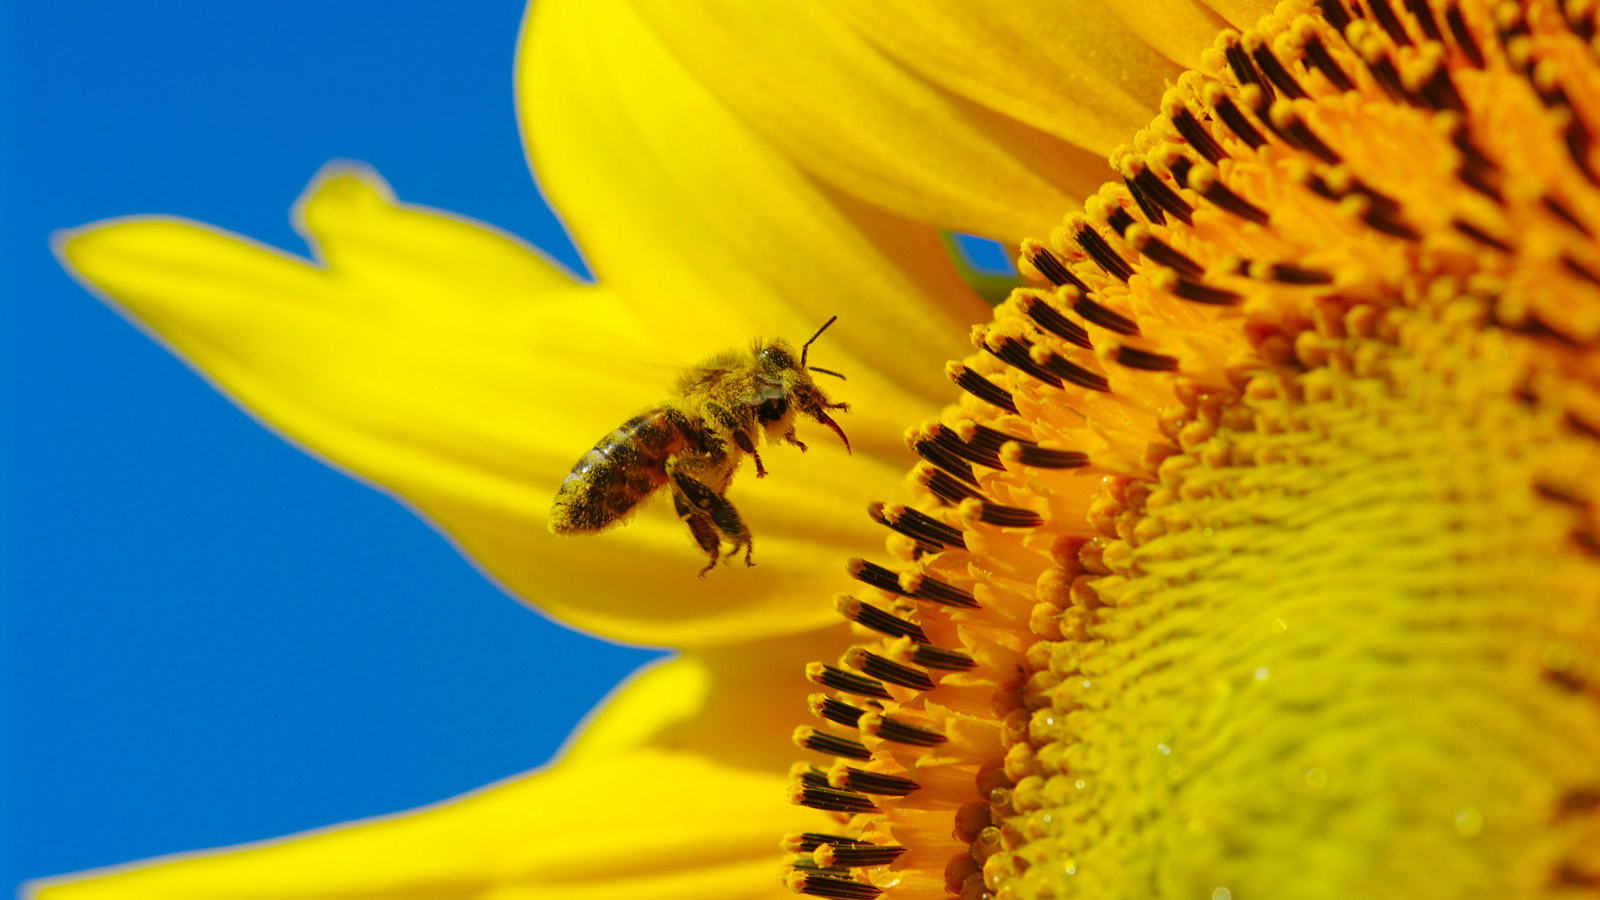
[1241, 13]
[453, 365]
[643, 823]
[836, 104]
[1178, 29]
[1072, 69]
[613, 117]
[737, 703]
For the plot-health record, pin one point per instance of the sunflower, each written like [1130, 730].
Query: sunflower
[1252, 549]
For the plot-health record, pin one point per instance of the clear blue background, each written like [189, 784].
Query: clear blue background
[208, 637]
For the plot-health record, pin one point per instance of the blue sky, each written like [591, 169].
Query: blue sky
[208, 636]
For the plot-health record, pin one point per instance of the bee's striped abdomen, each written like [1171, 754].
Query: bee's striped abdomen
[618, 472]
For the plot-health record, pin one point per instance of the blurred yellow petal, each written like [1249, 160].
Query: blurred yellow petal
[637, 822]
[455, 366]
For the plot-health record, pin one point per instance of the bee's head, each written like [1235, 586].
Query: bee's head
[797, 391]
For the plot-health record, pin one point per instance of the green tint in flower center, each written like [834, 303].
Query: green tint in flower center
[1261, 556]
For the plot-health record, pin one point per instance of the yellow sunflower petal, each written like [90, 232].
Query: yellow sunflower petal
[452, 364]
[1179, 29]
[1072, 70]
[733, 703]
[642, 823]
[614, 119]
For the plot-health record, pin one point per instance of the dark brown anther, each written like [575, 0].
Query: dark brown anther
[1008, 516]
[861, 855]
[1318, 185]
[862, 781]
[1514, 26]
[809, 738]
[1197, 136]
[980, 387]
[1533, 326]
[1379, 218]
[1097, 314]
[1151, 209]
[1244, 71]
[1102, 253]
[944, 486]
[869, 616]
[831, 799]
[979, 455]
[991, 439]
[1478, 234]
[1420, 11]
[1051, 267]
[940, 456]
[1384, 13]
[1163, 254]
[1163, 195]
[1560, 211]
[830, 887]
[931, 657]
[1579, 269]
[1388, 78]
[899, 732]
[1478, 179]
[1144, 360]
[1578, 141]
[1440, 91]
[1560, 495]
[1067, 370]
[1210, 186]
[1582, 426]
[1236, 121]
[810, 776]
[1119, 220]
[1298, 132]
[1280, 77]
[824, 707]
[1037, 457]
[1319, 58]
[1195, 292]
[1014, 353]
[874, 575]
[1577, 801]
[1582, 24]
[933, 590]
[1463, 36]
[915, 524]
[886, 669]
[807, 841]
[837, 679]
[1335, 13]
[1047, 317]
[1289, 273]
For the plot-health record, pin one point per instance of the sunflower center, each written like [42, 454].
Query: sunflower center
[1262, 556]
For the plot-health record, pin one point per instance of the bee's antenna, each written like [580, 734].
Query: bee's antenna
[807, 345]
[838, 375]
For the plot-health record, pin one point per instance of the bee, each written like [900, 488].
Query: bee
[694, 442]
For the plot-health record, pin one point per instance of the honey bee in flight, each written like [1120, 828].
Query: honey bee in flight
[693, 444]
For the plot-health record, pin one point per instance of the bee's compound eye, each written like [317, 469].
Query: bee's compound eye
[778, 358]
[772, 410]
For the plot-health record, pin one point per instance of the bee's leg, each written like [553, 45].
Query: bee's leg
[748, 445]
[710, 506]
[790, 438]
[700, 528]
